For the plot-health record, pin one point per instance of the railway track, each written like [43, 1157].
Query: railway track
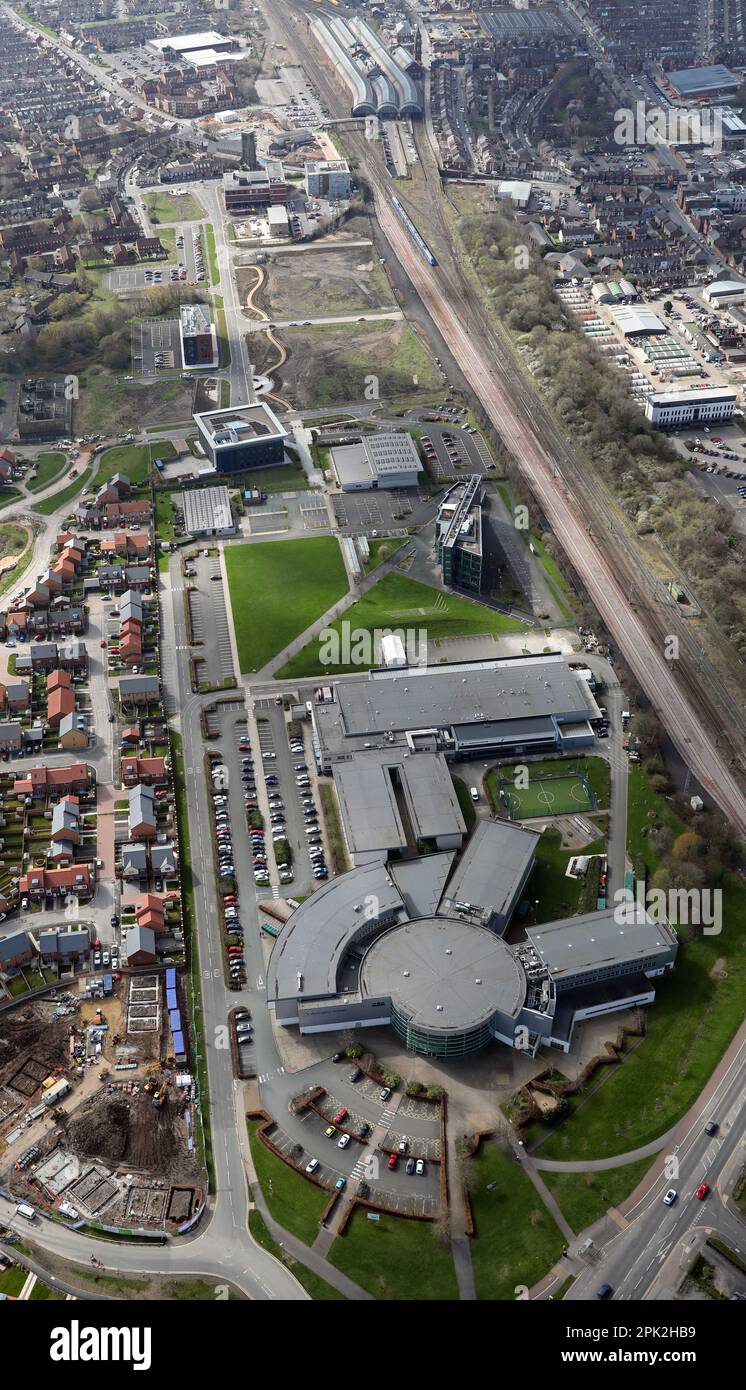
[687, 694]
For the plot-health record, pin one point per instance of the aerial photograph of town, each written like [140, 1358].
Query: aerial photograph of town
[373, 665]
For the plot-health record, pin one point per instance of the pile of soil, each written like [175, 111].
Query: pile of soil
[28, 1032]
[127, 1131]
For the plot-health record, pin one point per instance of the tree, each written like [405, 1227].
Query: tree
[687, 846]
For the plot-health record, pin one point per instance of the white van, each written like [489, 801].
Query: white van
[473, 793]
[23, 1209]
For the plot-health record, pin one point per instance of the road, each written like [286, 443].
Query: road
[647, 1260]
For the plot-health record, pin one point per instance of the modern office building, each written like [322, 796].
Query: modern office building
[199, 339]
[328, 178]
[674, 408]
[252, 190]
[458, 535]
[241, 437]
[380, 460]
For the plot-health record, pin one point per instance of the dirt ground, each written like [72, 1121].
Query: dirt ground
[128, 1131]
[114, 1012]
[306, 284]
[29, 1032]
[330, 365]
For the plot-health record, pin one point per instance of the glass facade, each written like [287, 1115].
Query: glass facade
[440, 1044]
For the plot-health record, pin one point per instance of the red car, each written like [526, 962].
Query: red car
[393, 1160]
[702, 1191]
[340, 1116]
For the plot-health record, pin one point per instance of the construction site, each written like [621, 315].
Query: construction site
[97, 1106]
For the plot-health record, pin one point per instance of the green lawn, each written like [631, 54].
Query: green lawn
[133, 460]
[49, 466]
[400, 603]
[163, 207]
[8, 495]
[551, 892]
[212, 260]
[164, 515]
[381, 550]
[690, 1025]
[510, 1248]
[65, 494]
[316, 1287]
[397, 1259]
[13, 1280]
[285, 478]
[645, 809]
[295, 1202]
[278, 589]
[468, 809]
[586, 1197]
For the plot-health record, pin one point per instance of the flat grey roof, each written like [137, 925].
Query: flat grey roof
[711, 78]
[421, 881]
[368, 800]
[368, 806]
[470, 692]
[445, 974]
[616, 934]
[493, 867]
[317, 935]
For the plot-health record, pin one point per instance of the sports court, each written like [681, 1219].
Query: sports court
[548, 796]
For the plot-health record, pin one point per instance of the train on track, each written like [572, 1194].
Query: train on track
[419, 241]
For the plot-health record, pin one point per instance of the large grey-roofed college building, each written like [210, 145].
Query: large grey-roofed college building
[400, 944]
[241, 437]
[378, 461]
[207, 512]
[505, 706]
[389, 803]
